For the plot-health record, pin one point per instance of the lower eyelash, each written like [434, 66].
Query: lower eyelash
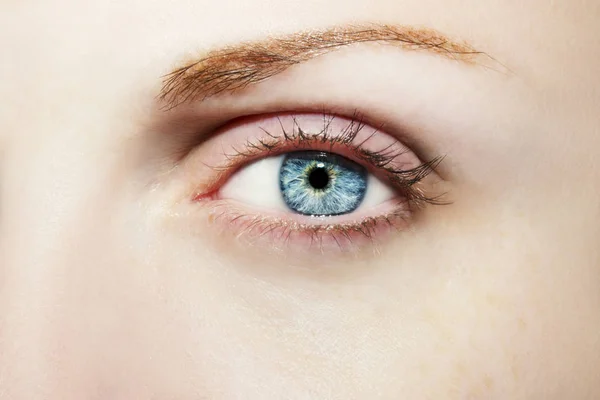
[348, 237]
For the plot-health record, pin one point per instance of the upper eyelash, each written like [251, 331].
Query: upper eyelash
[383, 159]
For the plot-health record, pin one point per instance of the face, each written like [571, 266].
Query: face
[304, 200]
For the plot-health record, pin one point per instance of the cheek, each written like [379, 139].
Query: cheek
[430, 317]
[511, 298]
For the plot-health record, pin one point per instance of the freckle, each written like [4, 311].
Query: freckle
[460, 369]
[493, 300]
[211, 218]
[488, 382]
[514, 371]
[522, 324]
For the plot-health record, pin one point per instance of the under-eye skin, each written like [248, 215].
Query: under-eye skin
[311, 180]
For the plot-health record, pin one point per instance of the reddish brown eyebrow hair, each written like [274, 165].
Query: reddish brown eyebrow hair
[237, 66]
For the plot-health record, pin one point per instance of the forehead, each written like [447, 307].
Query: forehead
[65, 49]
[144, 30]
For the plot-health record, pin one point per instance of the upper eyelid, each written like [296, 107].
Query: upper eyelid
[402, 136]
[192, 130]
[297, 135]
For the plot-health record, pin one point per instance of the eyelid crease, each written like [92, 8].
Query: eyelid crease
[238, 66]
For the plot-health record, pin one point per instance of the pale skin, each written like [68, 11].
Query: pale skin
[115, 285]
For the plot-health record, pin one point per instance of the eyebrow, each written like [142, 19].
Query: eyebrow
[236, 67]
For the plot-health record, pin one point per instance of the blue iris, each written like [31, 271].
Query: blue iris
[319, 183]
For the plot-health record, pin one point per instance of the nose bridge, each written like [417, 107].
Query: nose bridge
[28, 277]
[41, 196]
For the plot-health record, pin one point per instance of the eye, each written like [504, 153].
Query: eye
[313, 183]
[312, 180]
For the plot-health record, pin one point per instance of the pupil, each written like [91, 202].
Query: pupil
[318, 178]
